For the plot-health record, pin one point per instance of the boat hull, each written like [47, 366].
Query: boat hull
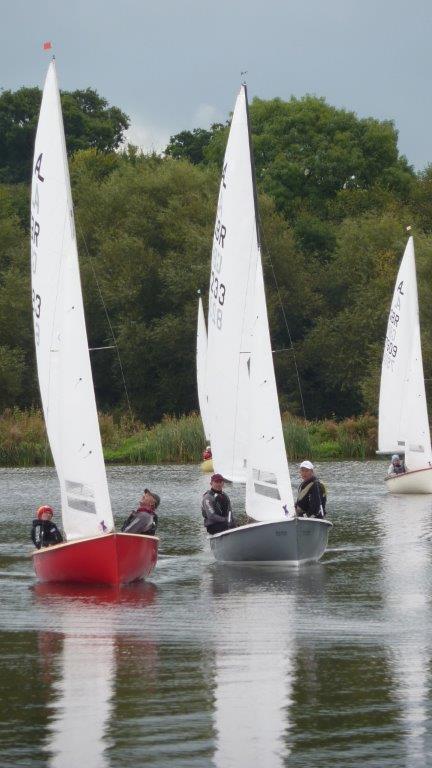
[285, 542]
[417, 481]
[115, 558]
[207, 465]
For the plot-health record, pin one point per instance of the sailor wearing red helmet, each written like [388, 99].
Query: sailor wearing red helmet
[44, 532]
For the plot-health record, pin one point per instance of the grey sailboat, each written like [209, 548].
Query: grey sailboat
[246, 426]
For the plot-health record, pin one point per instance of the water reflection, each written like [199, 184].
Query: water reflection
[326, 666]
[80, 667]
[405, 526]
[255, 662]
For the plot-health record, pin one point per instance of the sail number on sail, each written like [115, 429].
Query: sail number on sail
[391, 348]
[34, 238]
[217, 290]
[217, 287]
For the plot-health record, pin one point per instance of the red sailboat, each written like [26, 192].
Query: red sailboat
[114, 558]
[93, 551]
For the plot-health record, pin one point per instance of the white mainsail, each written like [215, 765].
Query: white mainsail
[403, 416]
[268, 487]
[235, 251]
[63, 361]
[201, 366]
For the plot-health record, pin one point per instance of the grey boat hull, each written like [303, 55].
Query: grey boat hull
[284, 542]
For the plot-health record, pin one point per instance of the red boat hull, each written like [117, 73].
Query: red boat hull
[115, 558]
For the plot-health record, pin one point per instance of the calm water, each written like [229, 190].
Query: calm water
[329, 665]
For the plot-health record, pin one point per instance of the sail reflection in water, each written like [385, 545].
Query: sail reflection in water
[254, 670]
[83, 708]
[406, 590]
[85, 669]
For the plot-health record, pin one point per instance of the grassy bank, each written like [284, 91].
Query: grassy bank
[23, 440]
[354, 438]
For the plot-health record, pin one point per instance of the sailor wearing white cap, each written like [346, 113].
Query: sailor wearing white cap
[306, 465]
[311, 494]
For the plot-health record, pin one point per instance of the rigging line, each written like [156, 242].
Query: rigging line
[267, 253]
[107, 316]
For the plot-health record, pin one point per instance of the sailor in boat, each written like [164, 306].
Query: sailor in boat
[311, 494]
[44, 532]
[144, 520]
[207, 454]
[216, 507]
[397, 466]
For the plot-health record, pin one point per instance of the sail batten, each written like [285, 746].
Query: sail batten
[63, 362]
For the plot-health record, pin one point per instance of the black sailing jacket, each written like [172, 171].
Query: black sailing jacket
[44, 533]
[311, 498]
[216, 508]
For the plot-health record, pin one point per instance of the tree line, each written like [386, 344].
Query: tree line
[335, 198]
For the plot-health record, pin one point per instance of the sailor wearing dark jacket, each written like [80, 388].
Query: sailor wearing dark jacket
[44, 532]
[144, 520]
[311, 496]
[216, 507]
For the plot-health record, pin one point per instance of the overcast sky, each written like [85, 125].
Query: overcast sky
[175, 64]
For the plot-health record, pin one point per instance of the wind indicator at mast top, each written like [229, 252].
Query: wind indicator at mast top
[243, 76]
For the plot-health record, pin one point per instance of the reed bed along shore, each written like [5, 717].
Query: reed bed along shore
[180, 440]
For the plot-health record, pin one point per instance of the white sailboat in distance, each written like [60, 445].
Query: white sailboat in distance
[403, 416]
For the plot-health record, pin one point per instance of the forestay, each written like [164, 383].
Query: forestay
[268, 488]
[63, 363]
[201, 366]
[403, 417]
[235, 249]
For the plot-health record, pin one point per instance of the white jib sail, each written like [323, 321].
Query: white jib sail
[403, 417]
[201, 366]
[63, 361]
[268, 488]
[235, 248]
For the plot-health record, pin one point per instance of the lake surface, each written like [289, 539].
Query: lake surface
[233, 667]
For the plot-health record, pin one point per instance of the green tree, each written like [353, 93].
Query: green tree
[12, 376]
[16, 353]
[89, 122]
[191, 145]
[306, 152]
[342, 352]
[145, 233]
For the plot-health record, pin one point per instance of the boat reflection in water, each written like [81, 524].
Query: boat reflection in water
[406, 552]
[256, 661]
[80, 661]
